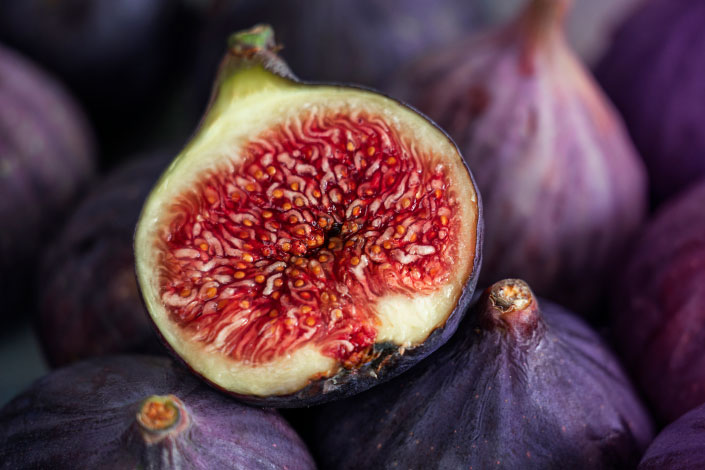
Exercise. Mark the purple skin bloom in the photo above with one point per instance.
(659, 307)
(96, 414)
(562, 187)
(654, 74)
(681, 446)
(518, 386)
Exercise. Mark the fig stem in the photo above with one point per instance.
(511, 294)
(510, 305)
(541, 21)
(160, 416)
(254, 39)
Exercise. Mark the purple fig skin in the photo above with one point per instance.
(85, 416)
(46, 158)
(563, 188)
(661, 47)
(659, 307)
(680, 446)
(517, 387)
(89, 293)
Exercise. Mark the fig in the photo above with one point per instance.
(522, 384)
(680, 446)
(140, 412)
(659, 307)
(311, 240)
(660, 47)
(562, 186)
(88, 290)
(46, 158)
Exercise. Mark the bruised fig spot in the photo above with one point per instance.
(292, 246)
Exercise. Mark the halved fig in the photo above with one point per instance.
(311, 240)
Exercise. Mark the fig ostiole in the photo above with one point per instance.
(88, 291)
(522, 384)
(140, 412)
(658, 312)
(563, 189)
(311, 240)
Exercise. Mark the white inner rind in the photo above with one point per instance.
(406, 321)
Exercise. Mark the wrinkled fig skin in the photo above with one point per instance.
(88, 291)
(661, 47)
(84, 416)
(562, 186)
(46, 157)
(536, 391)
(659, 307)
(681, 446)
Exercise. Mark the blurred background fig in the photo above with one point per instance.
(88, 286)
(140, 412)
(680, 446)
(562, 186)
(119, 57)
(523, 384)
(46, 159)
(659, 307)
(654, 72)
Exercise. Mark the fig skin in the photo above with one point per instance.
(391, 359)
(563, 188)
(85, 416)
(661, 47)
(46, 159)
(90, 304)
(516, 387)
(680, 446)
(659, 307)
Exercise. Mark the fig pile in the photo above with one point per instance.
(315, 247)
(563, 188)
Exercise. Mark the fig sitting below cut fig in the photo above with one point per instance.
(128, 412)
(522, 384)
(311, 240)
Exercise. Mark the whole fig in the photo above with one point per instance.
(654, 73)
(562, 186)
(523, 384)
(659, 307)
(89, 302)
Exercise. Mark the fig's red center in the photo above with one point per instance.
(295, 244)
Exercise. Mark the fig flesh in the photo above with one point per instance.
(90, 304)
(140, 412)
(659, 307)
(562, 186)
(680, 446)
(46, 158)
(522, 384)
(311, 240)
(661, 47)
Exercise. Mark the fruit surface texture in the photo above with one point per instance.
(680, 446)
(307, 232)
(522, 384)
(120, 412)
